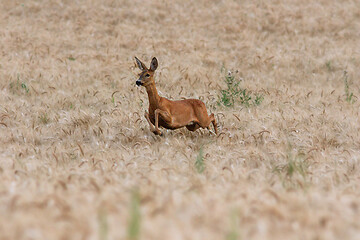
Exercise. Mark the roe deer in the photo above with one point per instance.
(189, 113)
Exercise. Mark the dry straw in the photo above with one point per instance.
(74, 142)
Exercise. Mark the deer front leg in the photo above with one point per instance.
(165, 116)
(146, 115)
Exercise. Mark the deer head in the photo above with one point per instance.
(146, 76)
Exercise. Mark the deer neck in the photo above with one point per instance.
(153, 95)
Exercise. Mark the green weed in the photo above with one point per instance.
(294, 173)
(103, 225)
(349, 95)
(113, 98)
(258, 99)
(329, 66)
(44, 118)
(135, 217)
(17, 85)
(234, 221)
(25, 87)
(235, 94)
(199, 163)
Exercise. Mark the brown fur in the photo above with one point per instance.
(189, 113)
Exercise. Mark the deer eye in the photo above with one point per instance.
(147, 75)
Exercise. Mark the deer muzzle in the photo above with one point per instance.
(139, 83)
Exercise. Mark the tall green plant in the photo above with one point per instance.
(199, 163)
(135, 217)
(234, 94)
(349, 95)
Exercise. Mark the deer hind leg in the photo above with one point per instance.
(214, 123)
(205, 123)
(165, 116)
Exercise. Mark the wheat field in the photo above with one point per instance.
(78, 160)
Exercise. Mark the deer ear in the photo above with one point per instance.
(153, 64)
(141, 66)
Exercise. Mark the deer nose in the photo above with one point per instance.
(138, 82)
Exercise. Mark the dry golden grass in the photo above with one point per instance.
(77, 154)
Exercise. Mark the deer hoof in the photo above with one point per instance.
(158, 132)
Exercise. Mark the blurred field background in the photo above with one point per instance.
(78, 161)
